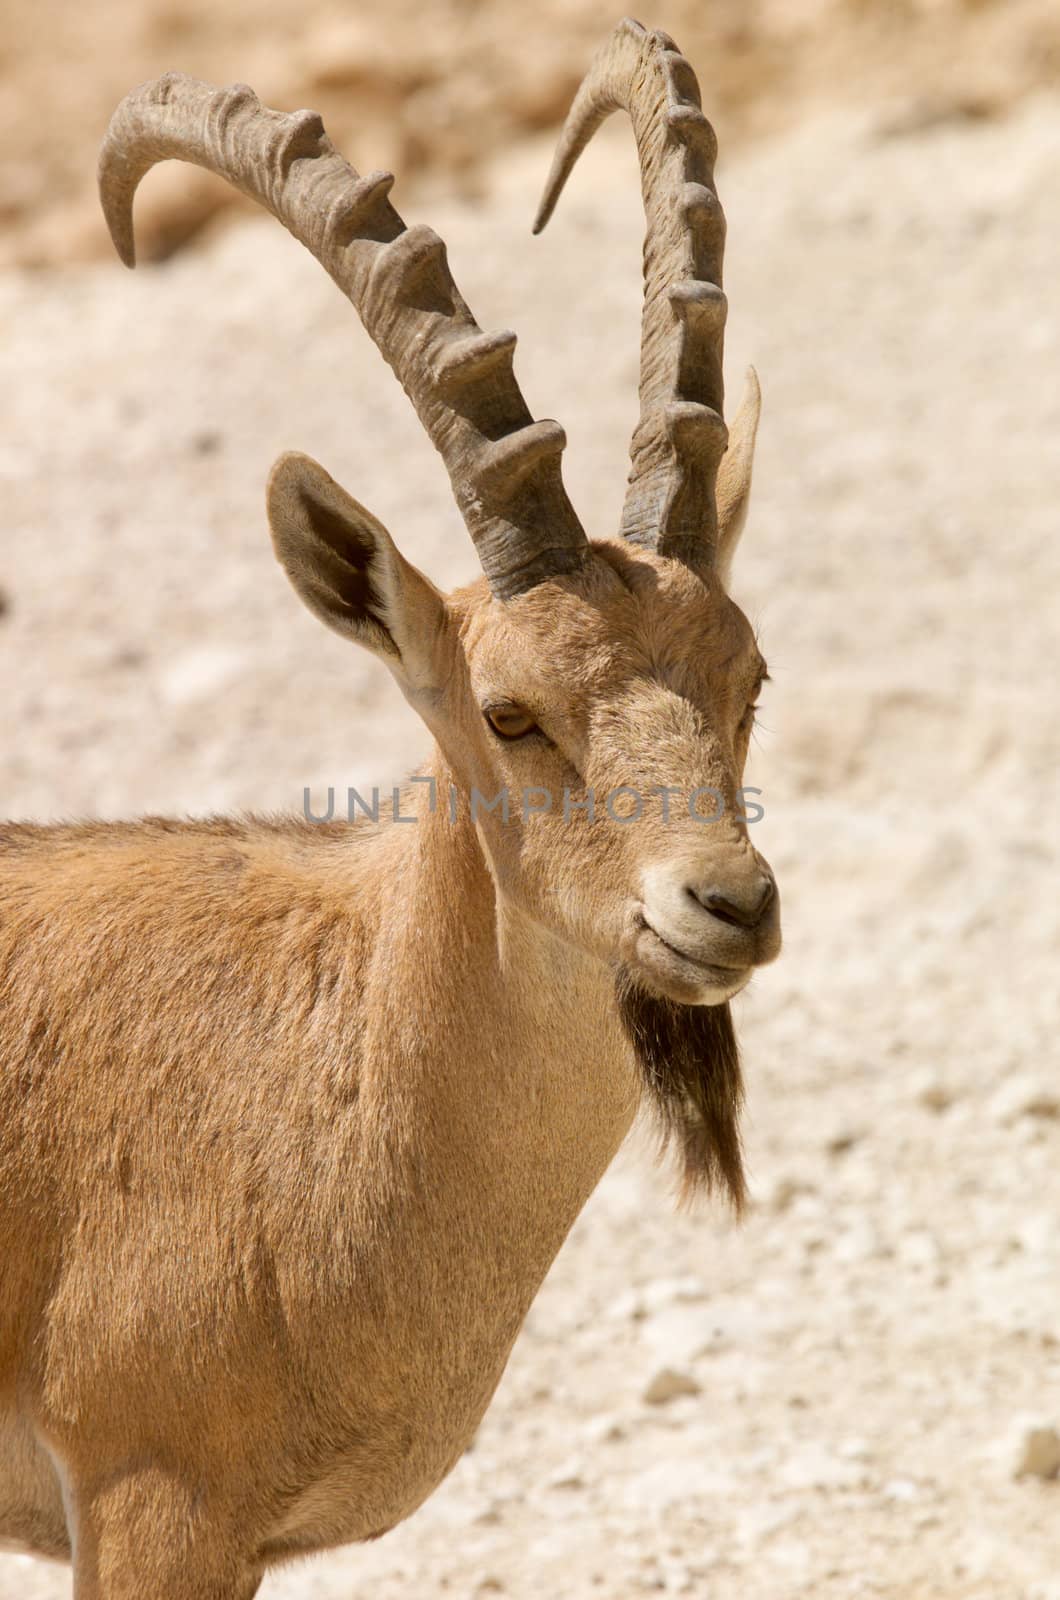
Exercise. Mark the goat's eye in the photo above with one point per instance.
(510, 722)
(747, 720)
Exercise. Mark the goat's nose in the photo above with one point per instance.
(744, 907)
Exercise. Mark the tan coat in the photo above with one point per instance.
(294, 1117)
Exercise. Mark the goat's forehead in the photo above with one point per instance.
(628, 613)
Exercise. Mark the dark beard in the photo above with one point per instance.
(690, 1063)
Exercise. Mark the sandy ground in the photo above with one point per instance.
(440, 86)
(867, 1349)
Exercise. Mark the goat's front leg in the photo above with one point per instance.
(145, 1534)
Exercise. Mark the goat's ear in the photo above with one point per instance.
(734, 475)
(347, 569)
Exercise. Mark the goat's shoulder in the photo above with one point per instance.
(173, 898)
(171, 851)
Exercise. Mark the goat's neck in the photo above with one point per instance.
(504, 1078)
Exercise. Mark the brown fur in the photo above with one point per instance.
(294, 1118)
(691, 1066)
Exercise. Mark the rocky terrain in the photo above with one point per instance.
(443, 88)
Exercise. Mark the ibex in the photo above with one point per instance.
(294, 1118)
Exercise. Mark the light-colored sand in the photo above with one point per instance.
(868, 1342)
(441, 86)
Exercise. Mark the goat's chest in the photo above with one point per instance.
(392, 1463)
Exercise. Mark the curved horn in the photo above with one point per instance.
(504, 466)
(680, 439)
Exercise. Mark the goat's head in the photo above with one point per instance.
(603, 690)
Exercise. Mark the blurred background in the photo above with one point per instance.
(443, 87)
(857, 1392)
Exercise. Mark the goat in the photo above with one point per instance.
(295, 1117)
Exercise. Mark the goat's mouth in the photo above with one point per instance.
(677, 974)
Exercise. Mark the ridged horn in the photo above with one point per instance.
(680, 439)
(504, 466)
